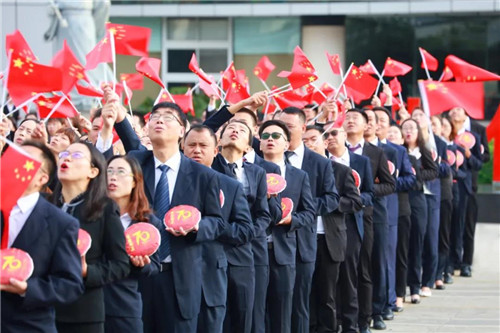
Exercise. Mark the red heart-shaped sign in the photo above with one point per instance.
(450, 155)
(183, 216)
(392, 168)
(275, 183)
(286, 207)
(16, 264)
(460, 158)
(142, 239)
(84, 242)
(466, 139)
(357, 178)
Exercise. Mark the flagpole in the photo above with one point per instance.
(343, 81)
(22, 105)
(380, 81)
(5, 80)
(442, 75)
(319, 90)
(276, 91)
(279, 88)
(425, 64)
(342, 75)
(54, 109)
(265, 84)
(128, 97)
(113, 56)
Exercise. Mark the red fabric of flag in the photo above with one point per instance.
(135, 81)
(184, 101)
(46, 104)
(150, 68)
(100, 53)
(494, 126)
(431, 62)
(447, 74)
(334, 61)
(71, 69)
(208, 89)
(195, 68)
(89, 91)
(16, 44)
(17, 171)
(465, 72)
(228, 75)
(368, 68)
(395, 86)
(236, 92)
(395, 68)
(290, 98)
(302, 72)
(317, 97)
(360, 85)
(26, 78)
(130, 39)
(442, 96)
(263, 68)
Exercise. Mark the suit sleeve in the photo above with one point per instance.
(212, 225)
(386, 183)
(406, 179)
(350, 200)
(328, 199)
(115, 265)
(261, 207)
(366, 187)
(63, 282)
(240, 230)
(305, 213)
(474, 162)
(481, 131)
(429, 169)
(218, 119)
(127, 135)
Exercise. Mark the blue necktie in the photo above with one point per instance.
(232, 169)
(161, 206)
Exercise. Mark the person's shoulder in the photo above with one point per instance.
(313, 157)
(341, 167)
(476, 126)
(57, 216)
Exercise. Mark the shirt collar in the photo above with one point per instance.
(360, 143)
(239, 163)
(126, 217)
(384, 141)
(173, 163)
(28, 202)
(300, 149)
(250, 156)
(467, 124)
(374, 141)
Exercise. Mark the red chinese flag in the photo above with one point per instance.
(71, 69)
(243, 78)
(430, 61)
(185, 101)
(193, 66)
(302, 72)
(16, 44)
(130, 39)
(465, 72)
(17, 170)
(89, 91)
(447, 74)
(46, 104)
(208, 89)
(100, 53)
(395, 68)
(395, 86)
(236, 92)
(360, 85)
(494, 126)
(413, 103)
(319, 97)
(227, 76)
(135, 81)
(334, 61)
(150, 68)
(442, 96)
(368, 68)
(290, 98)
(263, 68)
(26, 78)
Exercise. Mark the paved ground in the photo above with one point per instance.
(469, 304)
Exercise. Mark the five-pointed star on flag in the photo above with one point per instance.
(29, 165)
(18, 63)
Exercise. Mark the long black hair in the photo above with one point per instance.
(420, 137)
(95, 197)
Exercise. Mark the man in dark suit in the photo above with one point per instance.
(235, 139)
(200, 145)
(49, 236)
(355, 124)
(171, 179)
(281, 239)
(405, 179)
(326, 200)
(332, 244)
(348, 271)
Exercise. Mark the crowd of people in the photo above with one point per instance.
(383, 214)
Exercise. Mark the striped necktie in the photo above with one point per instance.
(161, 206)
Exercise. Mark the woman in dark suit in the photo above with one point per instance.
(82, 194)
(426, 170)
(122, 298)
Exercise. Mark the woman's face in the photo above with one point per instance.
(59, 142)
(120, 179)
(436, 126)
(446, 129)
(75, 164)
(394, 135)
(421, 118)
(24, 132)
(410, 132)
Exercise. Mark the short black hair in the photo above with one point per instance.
(28, 119)
(296, 111)
(358, 111)
(251, 114)
(250, 136)
(314, 127)
(97, 114)
(374, 113)
(200, 128)
(381, 108)
(140, 115)
(278, 123)
(173, 106)
(48, 158)
(309, 106)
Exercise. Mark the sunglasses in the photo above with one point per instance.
(274, 135)
(332, 133)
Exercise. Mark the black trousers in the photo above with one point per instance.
(323, 317)
(404, 228)
(458, 227)
(418, 226)
(470, 230)
(79, 328)
(379, 267)
(301, 294)
(365, 286)
(444, 237)
(240, 299)
(211, 318)
(123, 324)
(347, 292)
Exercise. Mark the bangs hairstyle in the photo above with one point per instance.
(250, 137)
(295, 111)
(96, 196)
(49, 160)
(198, 128)
(168, 105)
(138, 208)
(278, 123)
(72, 136)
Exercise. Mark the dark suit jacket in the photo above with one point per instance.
(303, 216)
(480, 130)
(471, 165)
(349, 203)
(49, 237)
(256, 195)
(326, 200)
(405, 179)
(122, 298)
(198, 186)
(362, 165)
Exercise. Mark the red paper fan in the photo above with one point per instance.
(142, 239)
(183, 216)
(275, 183)
(84, 242)
(16, 264)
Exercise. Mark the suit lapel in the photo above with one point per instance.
(249, 170)
(33, 228)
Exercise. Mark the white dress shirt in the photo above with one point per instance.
(20, 214)
(345, 159)
(240, 173)
(102, 145)
(297, 157)
(126, 220)
(250, 156)
(358, 151)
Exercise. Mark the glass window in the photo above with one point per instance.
(178, 60)
(213, 60)
(266, 35)
(182, 29)
(213, 29)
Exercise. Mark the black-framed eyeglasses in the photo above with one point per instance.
(334, 132)
(274, 135)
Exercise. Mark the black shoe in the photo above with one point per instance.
(466, 271)
(387, 314)
(397, 309)
(448, 279)
(415, 299)
(440, 287)
(365, 330)
(378, 323)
